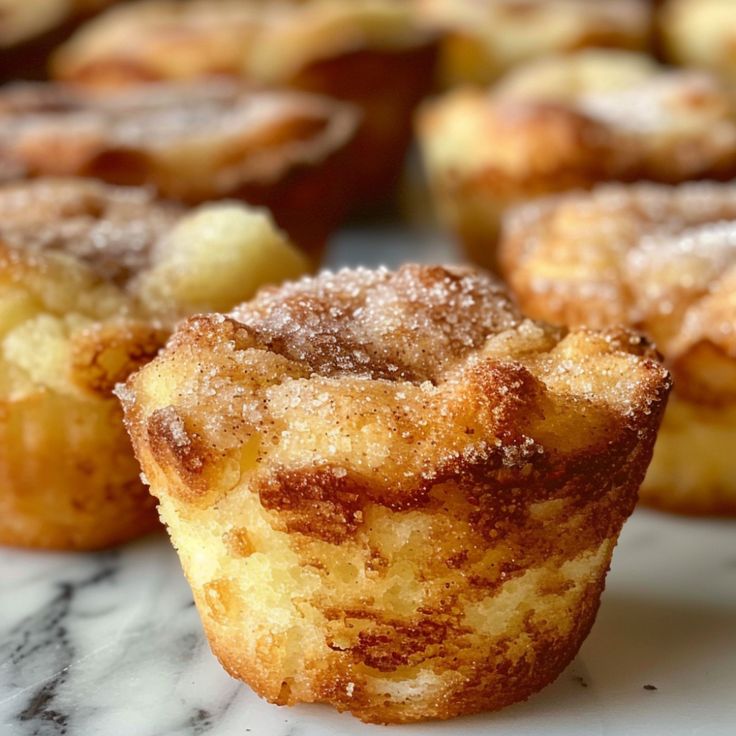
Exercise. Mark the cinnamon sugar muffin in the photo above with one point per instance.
(483, 40)
(663, 260)
(92, 277)
(192, 142)
(700, 33)
(389, 491)
(369, 52)
(570, 122)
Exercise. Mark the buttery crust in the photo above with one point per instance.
(192, 142)
(92, 277)
(661, 260)
(341, 50)
(700, 33)
(570, 122)
(392, 493)
(483, 40)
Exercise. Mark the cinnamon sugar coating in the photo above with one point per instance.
(389, 491)
(661, 260)
(571, 122)
(191, 142)
(92, 278)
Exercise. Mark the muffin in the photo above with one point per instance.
(30, 30)
(483, 40)
(700, 34)
(192, 142)
(389, 491)
(663, 260)
(369, 52)
(92, 278)
(571, 122)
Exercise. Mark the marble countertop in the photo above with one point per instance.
(110, 644)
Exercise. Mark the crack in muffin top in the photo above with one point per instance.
(413, 324)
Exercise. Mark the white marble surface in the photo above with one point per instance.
(110, 644)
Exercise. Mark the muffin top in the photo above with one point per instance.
(92, 277)
(413, 325)
(190, 140)
(266, 42)
(660, 259)
(110, 229)
(385, 381)
(615, 114)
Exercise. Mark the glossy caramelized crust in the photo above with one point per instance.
(571, 122)
(662, 260)
(192, 142)
(483, 40)
(91, 279)
(389, 491)
(700, 33)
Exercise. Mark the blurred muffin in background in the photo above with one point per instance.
(192, 141)
(662, 260)
(700, 33)
(567, 122)
(369, 52)
(31, 29)
(390, 491)
(92, 278)
(481, 40)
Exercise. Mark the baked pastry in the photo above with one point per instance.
(662, 260)
(700, 33)
(483, 40)
(192, 142)
(30, 30)
(389, 491)
(570, 122)
(92, 277)
(368, 52)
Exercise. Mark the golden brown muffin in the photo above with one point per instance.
(92, 277)
(662, 260)
(368, 52)
(483, 40)
(30, 29)
(389, 491)
(570, 122)
(700, 33)
(193, 142)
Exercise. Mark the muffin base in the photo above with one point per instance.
(693, 469)
(68, 478)
(509, 633)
